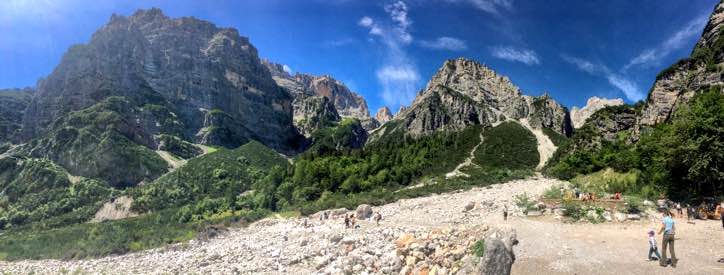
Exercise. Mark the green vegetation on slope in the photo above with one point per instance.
(555, 137)
(38, 192)
(214, 180)
(683, 158)
(102, 142)
(508, 145)
(178, 147)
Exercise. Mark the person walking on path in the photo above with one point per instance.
(678, 209)
(652, 247)
(668, 229)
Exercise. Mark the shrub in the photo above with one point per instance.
(634, 205)
(479, 248)
(525, 203)
(554, 192)
(573, 210)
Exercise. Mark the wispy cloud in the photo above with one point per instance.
(445, 43)
(620, 82)
(525, 56)
(398, 75)
(677, 40)
(338, 42)
(489, 6)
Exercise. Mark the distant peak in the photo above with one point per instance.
(149, 14)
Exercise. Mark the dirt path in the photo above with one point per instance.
(468, 161)
(283, 246)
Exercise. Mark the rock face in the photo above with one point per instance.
(13, 103)
(301, 86)
(383, 115)
(210, 78)
(464, 92)
(679, 83)
(499, 256)
(579, 116)
(313, 113)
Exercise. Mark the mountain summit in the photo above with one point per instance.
(464, 93)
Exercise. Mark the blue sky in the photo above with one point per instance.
(387, 50)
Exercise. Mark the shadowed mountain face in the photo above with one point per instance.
(13, 103)
(209, 78)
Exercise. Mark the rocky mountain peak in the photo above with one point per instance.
(464, 92)
(191, 66)
(473, 79)
(712, 31)
(383, 115)
(301, 86)
(579, 115)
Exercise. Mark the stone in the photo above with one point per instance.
(634, 217)
(607, 216)
(499, 256)
(469, 206)
(363, 212)
(620, 217)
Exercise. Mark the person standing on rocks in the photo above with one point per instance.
(378, 217)
(668, 228)
(346, 221)
(505, 212)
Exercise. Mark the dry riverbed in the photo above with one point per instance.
(284, 246)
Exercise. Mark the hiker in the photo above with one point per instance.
(578, 193)
(378, 218)
(505, 212)
(678, 209)
(346, 221)
(721, 213)
(652, 247)
(668, 229)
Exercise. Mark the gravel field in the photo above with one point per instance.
(285, 246)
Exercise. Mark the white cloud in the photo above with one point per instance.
(287, 69)
(366, 21)
(628, 87)
(489, 6)
(399, 82)
(524, 56)
(677, 40)
(398, 75)
(584, 65)
(338, 43)
(445, 43)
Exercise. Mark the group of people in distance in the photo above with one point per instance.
(350, 221)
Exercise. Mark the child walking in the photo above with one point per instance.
(652, 247)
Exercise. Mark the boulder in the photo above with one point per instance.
(620, 217)
(634, 217)
(364, 211)
(469, 206)
(607, 216)
(499, 257)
